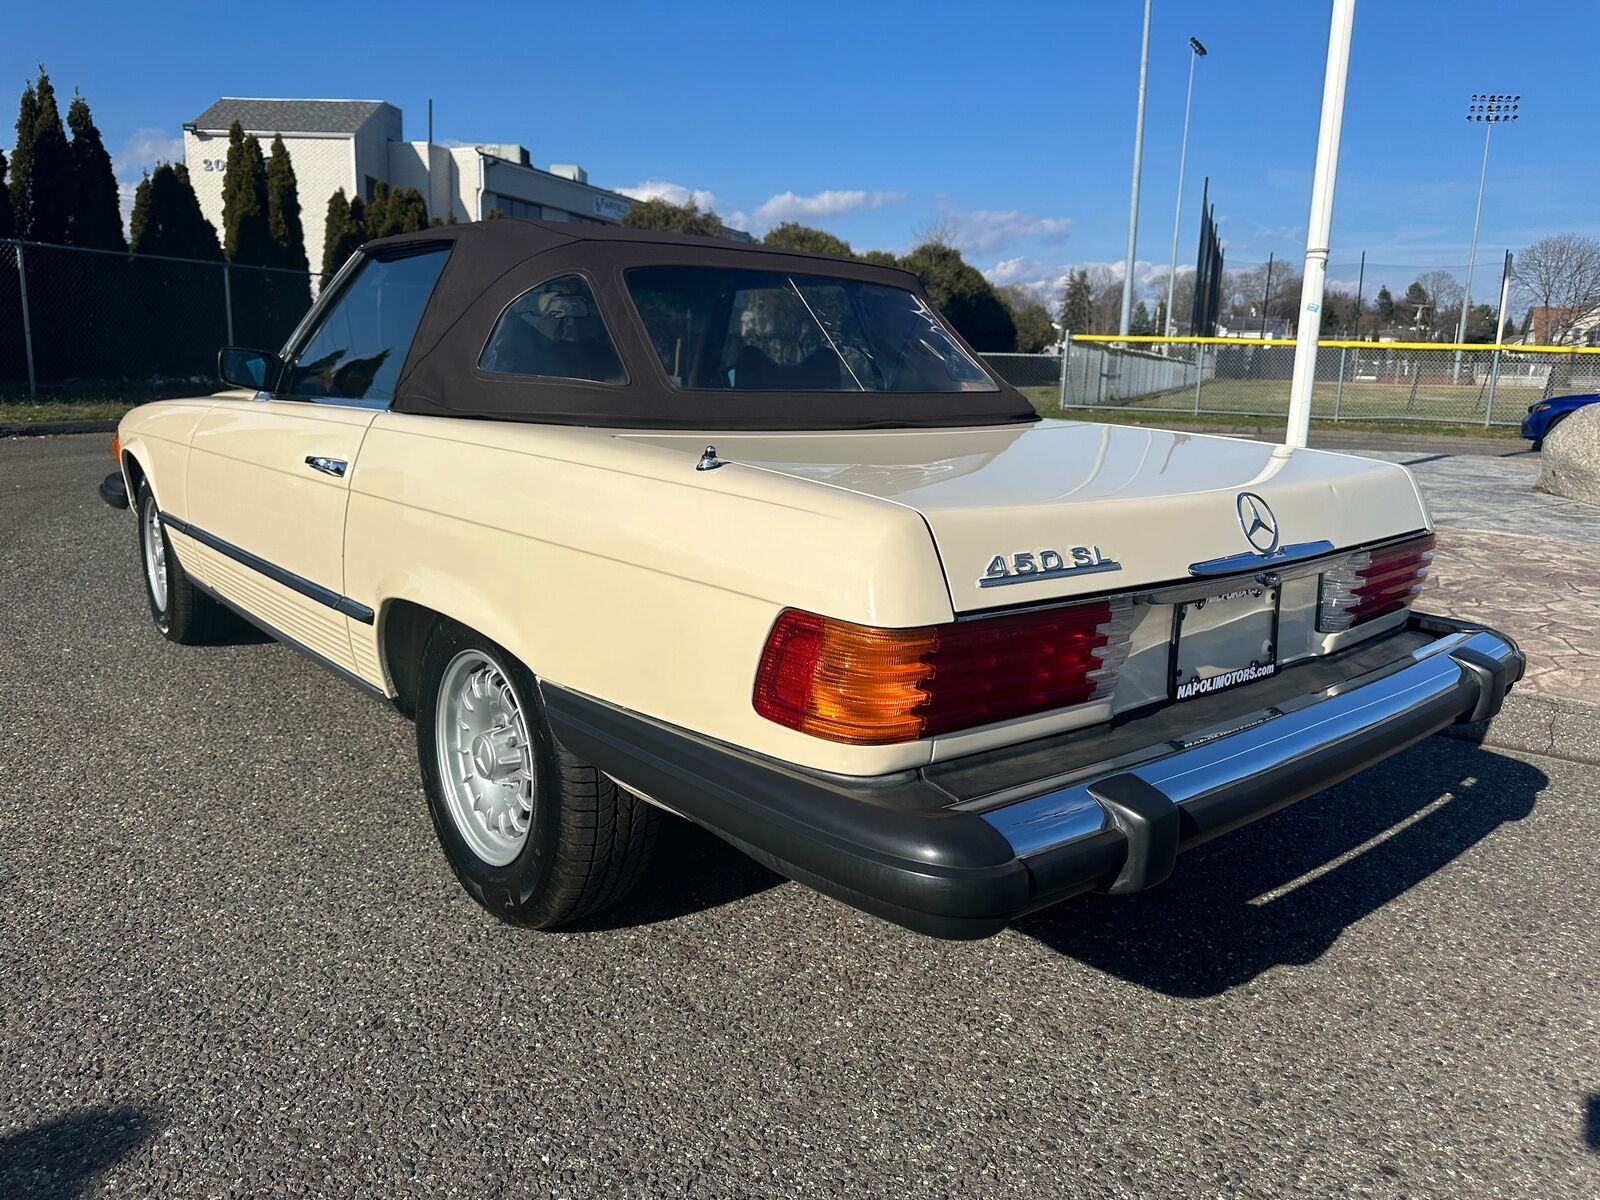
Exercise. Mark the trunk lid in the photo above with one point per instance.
(1060, 509)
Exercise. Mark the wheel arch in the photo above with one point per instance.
(133, 472)
(403, 629)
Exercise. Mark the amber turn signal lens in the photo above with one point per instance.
(866, 686)
(116, 446)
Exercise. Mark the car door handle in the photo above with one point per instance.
(328, 466)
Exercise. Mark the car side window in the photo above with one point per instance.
(358, 350)
(554, 330)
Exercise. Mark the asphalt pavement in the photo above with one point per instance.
(233, 962)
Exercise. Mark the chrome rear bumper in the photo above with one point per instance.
(906, 849)
(1225, 777)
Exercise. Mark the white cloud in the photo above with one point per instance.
(1049, 280)
(984, 232)
(143, 150)
(673, 193)
(831, 202)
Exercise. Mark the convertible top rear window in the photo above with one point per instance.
(716, 328)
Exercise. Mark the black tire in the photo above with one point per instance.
(588, 840)
(189, 616)
(1549, 429)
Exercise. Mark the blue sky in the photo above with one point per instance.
(1011, 124)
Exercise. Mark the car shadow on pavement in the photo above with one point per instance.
(67, 1155)
(1281, 891)
(692, 871)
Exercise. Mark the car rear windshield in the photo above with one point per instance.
(776, 331)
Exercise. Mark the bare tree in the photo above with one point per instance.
(1444, 301)
(938, 230)
(1561, 274)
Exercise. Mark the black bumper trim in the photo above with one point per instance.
(114, 490)
(963, 874)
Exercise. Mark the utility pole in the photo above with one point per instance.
(1138, 162)
(1361, 283)
(1196, 53)
(1266, 296)
(1320, 223)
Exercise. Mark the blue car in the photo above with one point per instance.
(1547, 414)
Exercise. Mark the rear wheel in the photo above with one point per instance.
(181, 611)
(535, 835)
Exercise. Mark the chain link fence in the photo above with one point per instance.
(78, 323)
(1365, 381)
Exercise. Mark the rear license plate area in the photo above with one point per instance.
(1224, 641)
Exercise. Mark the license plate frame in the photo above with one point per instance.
(1224, 640)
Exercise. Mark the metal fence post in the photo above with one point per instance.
(1494, 377)
(1199, 371)
(27, 325)
(1338, 388)
(227, 299)
(1066, 363)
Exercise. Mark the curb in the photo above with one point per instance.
(49, 428)
(1529, 722)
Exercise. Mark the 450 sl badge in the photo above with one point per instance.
(1046, 564)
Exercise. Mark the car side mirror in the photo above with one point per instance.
(254, 369)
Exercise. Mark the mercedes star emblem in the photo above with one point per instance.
(1256, 519)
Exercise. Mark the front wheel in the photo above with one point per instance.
(181, 611)
(535, 835)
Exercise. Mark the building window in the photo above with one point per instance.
(510, 206)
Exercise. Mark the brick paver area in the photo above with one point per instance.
(1517, 560)
(1545, 594)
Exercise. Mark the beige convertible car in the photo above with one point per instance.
(633, 522)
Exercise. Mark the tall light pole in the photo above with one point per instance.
(1321, 222)
(1138, 161)
(1197, 52)
(1491, 111)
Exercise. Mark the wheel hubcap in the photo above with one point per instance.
(486, 765)
(155, 556)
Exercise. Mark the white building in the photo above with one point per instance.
(355, 144)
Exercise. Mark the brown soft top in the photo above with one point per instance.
(491, 263)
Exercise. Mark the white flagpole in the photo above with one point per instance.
(1321, 220)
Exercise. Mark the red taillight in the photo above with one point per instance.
(866, 686)
(1373, 583)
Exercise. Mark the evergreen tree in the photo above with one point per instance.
(344, 232)
(1077, 304)
(380, 220)
(660, 214)
(167, 219)
(1032, 319)
(187, 321)
(47, 189)
(334, 228)
(246, 237)
(1385, 306)
(141, 208)
(791, 235)
(408, 210)
(880, 258)
(27, 114)
(96, 216)
(1140, 324)
(283, 210)
(965, 298)
(8, 225)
